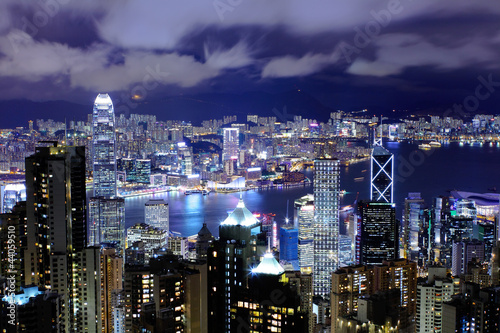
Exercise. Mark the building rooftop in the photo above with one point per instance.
(269, 265)
(240, 216)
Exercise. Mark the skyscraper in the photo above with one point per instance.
(103, 147)
(156, 213)
(229, 262)
(382, 166)
(326, 223)
(303, 220)
(107, 223)
(231, 144)
(56, 221)
(378, 233)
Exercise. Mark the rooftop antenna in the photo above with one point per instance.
(286, 218)
(378, 141)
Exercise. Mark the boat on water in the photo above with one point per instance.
(359, 179)
(188, 192)
(205, 192)
(424, 146)
(434, 144)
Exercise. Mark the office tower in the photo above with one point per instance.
(103, 147)
(185, 156)
(345, 251)
(152, 238)
(430, 298)
(142, 171)
(382, 170)
(127, 165)
(289, 242)
(203, 241)
(36, 310)
(326, 223)
(231, 144)
(156, 214)
(412, 220)
(13, 244)
(56, 224)
(495, 264)
(107, 223)
(229, 262)
(10, 194)
(463, 253)
(378, 233)
(303, 219)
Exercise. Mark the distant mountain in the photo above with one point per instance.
(194, 108)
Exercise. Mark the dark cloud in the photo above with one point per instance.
(153, 48)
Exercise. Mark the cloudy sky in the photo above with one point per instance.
(347, 54)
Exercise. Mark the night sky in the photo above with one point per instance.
(381, 55)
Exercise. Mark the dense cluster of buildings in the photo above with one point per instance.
(68, 264)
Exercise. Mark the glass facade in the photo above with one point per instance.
(107, 223)
(103, 147)
(304, 221)
(156, 212)
(231, 145)
(382, 167)
(378, 233)
(326, 223)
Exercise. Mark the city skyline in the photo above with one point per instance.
(234, 166)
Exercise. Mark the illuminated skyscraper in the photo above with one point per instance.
(378, 233)
(231, 144)
(56, 221)
(229, 262)
(382, 166)
(156, 214)
(326, 223)
(107, 223)
(303, 220)
(103, 147)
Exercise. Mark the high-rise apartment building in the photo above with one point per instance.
(326, 223)
(377, 233)
(56, 221)
(103, 147)
(430, 298)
